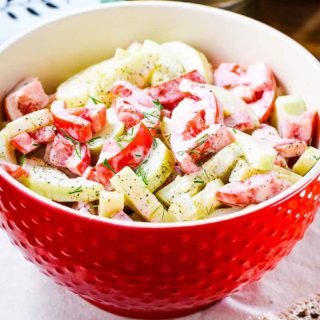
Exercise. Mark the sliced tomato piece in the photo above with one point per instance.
(205, 99)
(77, 128)
(189, 152)
(84, 207)
(14, 170)
(28, 96)
(59, 151)
(227, 75)
(24, 143)
(133, 105)
(121, 215)
(256, 86)
(44, 134)
(90, 174)
(80, 159)
(290, 148)
(96, 114)
(168, 93)
(287, 148)
(115, 155)
(254, 190)
(240, 120)
(299, 127)
(195, 126)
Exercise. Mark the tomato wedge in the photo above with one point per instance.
(117, 154)
(59, 151)
(80, 159)
(168, 93)
(256, 85)
(254, 190)
(14, 170)
(133, 105)
(240, 120)
(189, 152)
(299, 127)
(28, 96)
(204, 99)
(286, 148)
(44, 134)
(77, 128)
(24, 143)
(96, 114)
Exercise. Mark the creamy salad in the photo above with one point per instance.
(158, 134)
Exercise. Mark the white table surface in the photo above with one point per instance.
(26, 294)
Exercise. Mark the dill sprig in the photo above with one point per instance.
(76, 144)
(142, 173)
(158, 104)
(92, 141)
(108, 165)
(95, 100)
(23, 157)
(200, 141)
(78, 190)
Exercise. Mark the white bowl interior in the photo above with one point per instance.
(57, 50)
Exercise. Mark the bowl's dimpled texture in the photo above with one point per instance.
(152, 273)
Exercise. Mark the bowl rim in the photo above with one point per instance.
(199, 8)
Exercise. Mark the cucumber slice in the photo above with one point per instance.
(287, 105)
(134, 66)
(157, 167)
(113, 128)
(287, 175)
(188, 208)
(137, 195)
(6, 150)
(184, 209)
(231, 103)
(243, 171)
(176, 58)
(29, 122)
(55, 185)
(110, 203)
(166, 130)
(219, 166)
(307, 161)
(205, 200)
(258, 155)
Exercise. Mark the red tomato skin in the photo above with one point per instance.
(24, 143)
(256, 85)
(254, 190)
(133, 105)
(14, 170)
(44, 134)
(299, 127)
(59, 151)
(141, 144)
(240, 120)
(168, 93)
(79, 161)
(95, 114)
(90, 174)
(28, 96)
(77, 128)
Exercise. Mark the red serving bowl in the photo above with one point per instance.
(155, 270)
